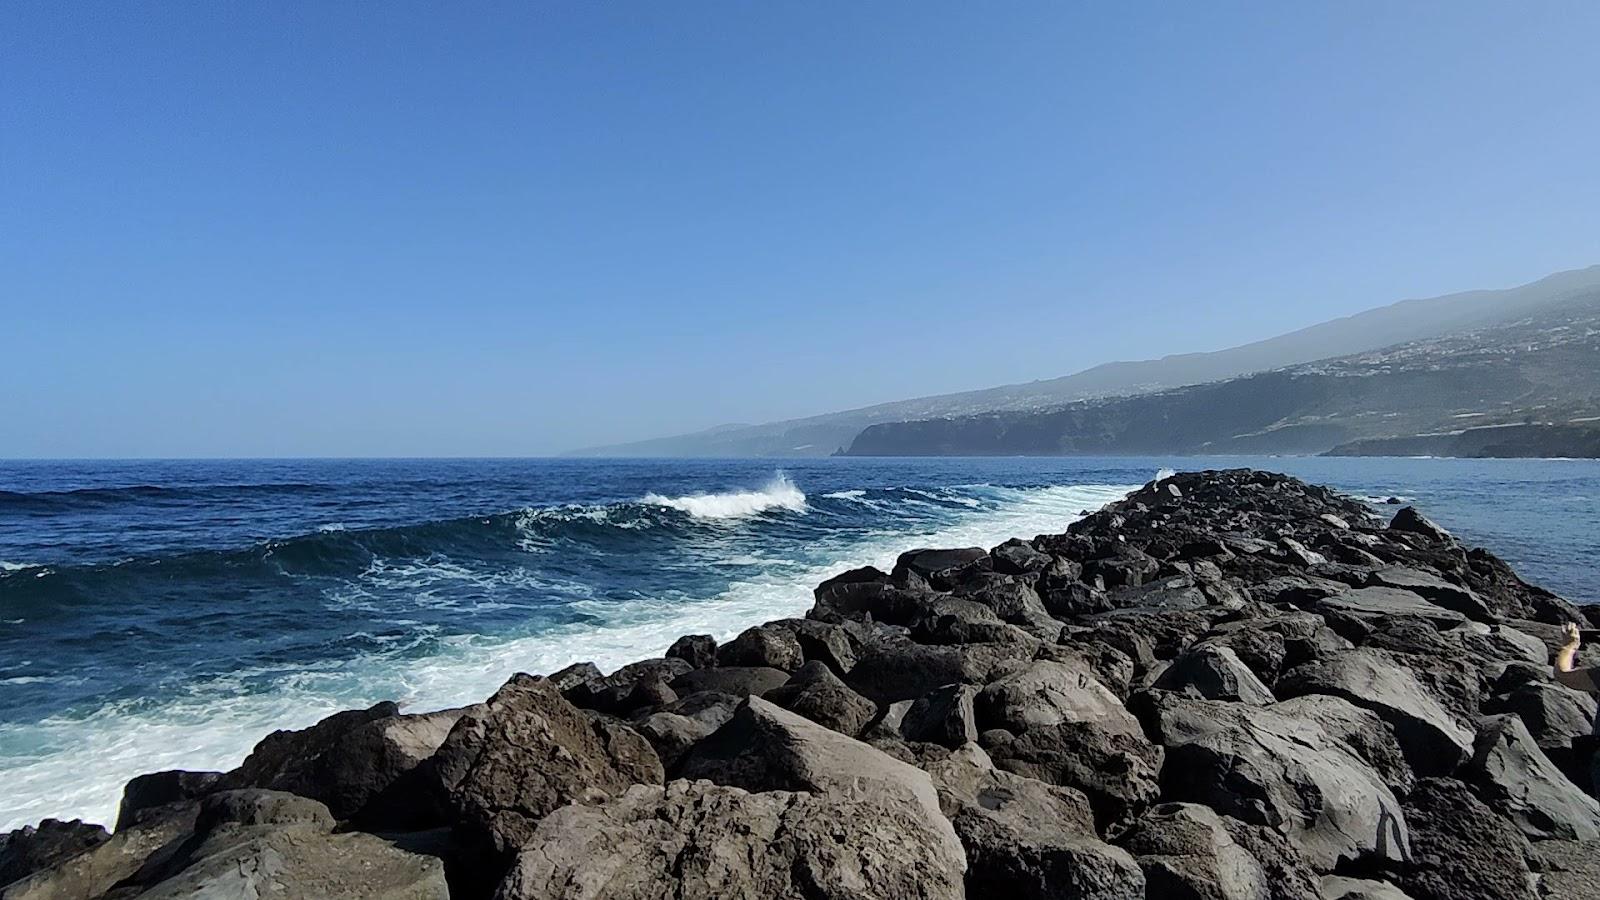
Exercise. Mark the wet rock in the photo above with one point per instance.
(1522, 784)
(818, 694)
(1214, 673)
(698, 839)
(526, 752)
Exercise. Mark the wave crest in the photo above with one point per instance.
(780, 493)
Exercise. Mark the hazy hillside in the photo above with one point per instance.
(1408, 320)
(1542, 366)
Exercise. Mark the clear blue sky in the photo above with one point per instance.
(462, 229)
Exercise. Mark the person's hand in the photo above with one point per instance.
(1572, 636)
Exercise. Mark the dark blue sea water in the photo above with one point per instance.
(159, 614)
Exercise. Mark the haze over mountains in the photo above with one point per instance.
(1009, 407)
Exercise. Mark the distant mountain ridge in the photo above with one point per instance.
(1529, 386)
(1397, 323)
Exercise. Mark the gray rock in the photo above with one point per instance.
(698, 650)
(1213, 672)
(95, 871)
(701, 841)
(33, 849)
(767, 646)
(945, 717)
(1431, 738)
(158, 789)
(1514, 776)
(1567, 870)
(253, 843)
(893, 669)
(1027, 839)
(673, 730)
(1374, 602)
(1268, 768)
(766, 748)
(1434, 589)
(740, 681)
(1018, 557)
(526, 752)
(1461, 850)
(1049, 692)
(818, 694)
(1413, 522)
(1188, 852)
(934, 565)
(1338, 887)
(1118, 772)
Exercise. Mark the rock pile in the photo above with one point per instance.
(1230, 685)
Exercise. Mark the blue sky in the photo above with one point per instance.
(467, 229)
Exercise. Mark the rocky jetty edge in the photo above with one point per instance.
(1230, 684)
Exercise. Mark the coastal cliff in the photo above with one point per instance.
(1228, 685)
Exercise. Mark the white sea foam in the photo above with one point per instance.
(70, 766)
(14, 566)
(780, 493)
(846, 495)
(1164, 474)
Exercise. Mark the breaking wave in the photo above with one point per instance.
(780, 493)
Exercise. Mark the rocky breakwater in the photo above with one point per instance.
(1230, 685)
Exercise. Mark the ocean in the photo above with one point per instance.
(168, 614)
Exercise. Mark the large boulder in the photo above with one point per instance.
(1189, 852)
(1117, 771)
(1434, 589)
(32, 849)
(152, 792)
(676, 728)
(741, 681)
(695, 840)
(527, 752)
(1049, 692)
(1567, 870)
(1461, 850)
(764, 645)
(935, 566)
(1214, 672)
(1026, 839)
(1370, 603)
(623, 691)
(1266, 767)
(767, 748)
(893, 668)
(818, 694)
(1340, 887)
(1514, 776)
(264, 843)
(1434, 742)
(945, 717)
(93, 872)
